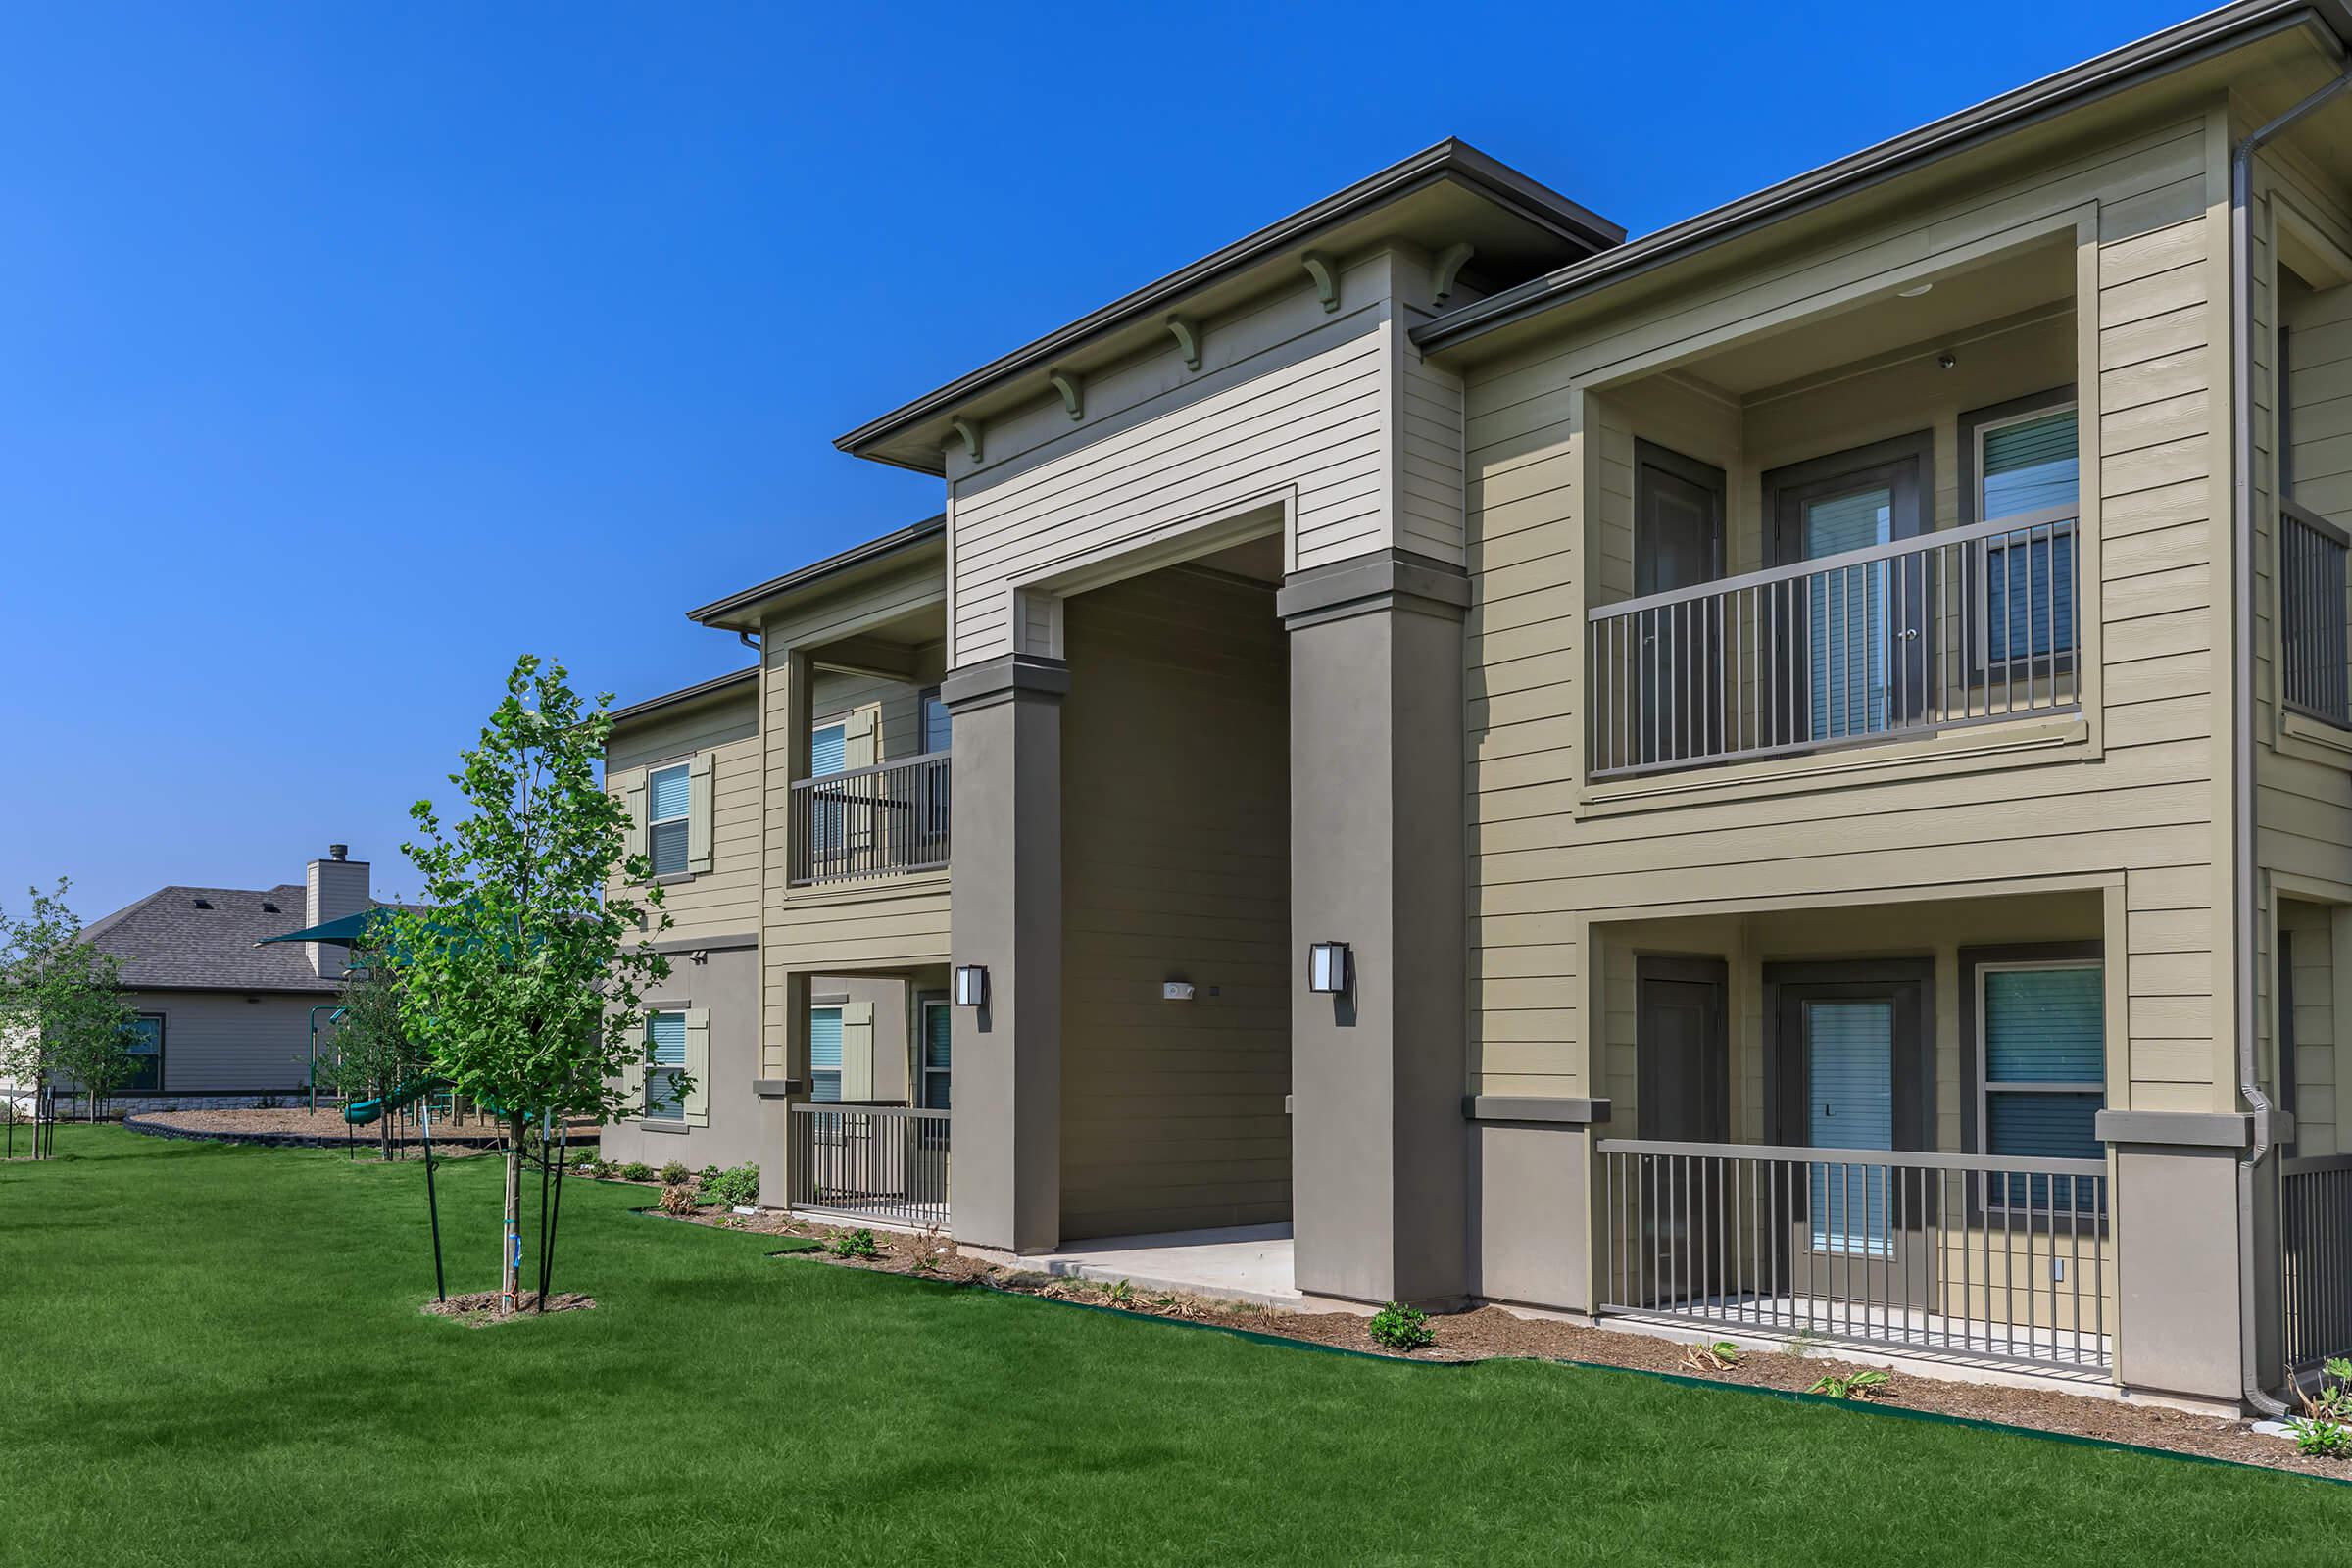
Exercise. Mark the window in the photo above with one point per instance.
(669, 797)
(825, 1053)
(2027, 458)
(145, 1044)
(938, 731)
(938, 1052)
(2043, 1065)
(665, 1052)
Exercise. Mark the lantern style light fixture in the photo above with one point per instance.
(971, 984)
(1327, 967)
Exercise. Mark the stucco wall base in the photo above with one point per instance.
(2175, 1211)
(1530, 1213)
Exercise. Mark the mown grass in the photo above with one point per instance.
(214, 1354)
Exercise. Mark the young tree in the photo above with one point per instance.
(522, 980)
(61, 1001)
(374, 1052)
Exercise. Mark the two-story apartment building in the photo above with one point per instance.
(1792, 775)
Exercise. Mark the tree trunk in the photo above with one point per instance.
(510, 1269)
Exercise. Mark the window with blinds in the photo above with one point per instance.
(2029, 467)
(825, 1053)
(666, 1052)
(937, 728)
(938, 1052)
(670, 800)
(2042, 1060)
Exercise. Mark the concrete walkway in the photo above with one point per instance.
(1238, 1264)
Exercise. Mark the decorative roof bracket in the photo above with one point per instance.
(1187, 333)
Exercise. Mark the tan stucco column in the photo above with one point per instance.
(2176, 1222)
(1005, 1189)
(1379, 1142)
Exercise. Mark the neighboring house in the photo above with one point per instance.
(220, 1020)
(1825, 735)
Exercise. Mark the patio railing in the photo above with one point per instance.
(2311, 615)
(2315, 1233)
(872, 821)
(874, 1162)
(1962, 1256)
(1964, 626)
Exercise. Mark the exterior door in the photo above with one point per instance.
(1683, 1052)
(1682, 1094)
(1678, 543)
(1860, 631)
(1851, 1069)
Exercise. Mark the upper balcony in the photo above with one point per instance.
(1861, 529)
(855, 825)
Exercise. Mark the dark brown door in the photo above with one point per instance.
(1683, 1049)
(1683, 1054)
(1678, 543)
(1851, 1068)
(1856, 637)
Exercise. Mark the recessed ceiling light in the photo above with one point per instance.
(1914, 291)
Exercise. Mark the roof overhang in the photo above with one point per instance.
(1446, 194)
(716, 686)
(744, 611)
(2175, 48)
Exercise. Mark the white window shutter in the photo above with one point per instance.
(698, 1066)
(632, 792)
(700, 794)
(857, 1050)
(860, 738)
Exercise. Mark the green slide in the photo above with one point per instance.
(364, 1113)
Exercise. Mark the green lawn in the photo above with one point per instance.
(213, 1355)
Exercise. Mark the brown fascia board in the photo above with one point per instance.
(1452, 158)
(728, 614)
(2213, 32)
(685, 694)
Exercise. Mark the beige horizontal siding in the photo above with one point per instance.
(1549, 477)
(1330, 412)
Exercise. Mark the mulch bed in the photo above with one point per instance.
(1491, 1332)
(297, 1127)
(479, 1309)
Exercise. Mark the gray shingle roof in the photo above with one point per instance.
(168, 942)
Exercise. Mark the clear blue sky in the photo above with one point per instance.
(347, 351)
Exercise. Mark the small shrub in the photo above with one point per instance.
(675, 1174)
(1401, 1328)
(677, 1198)
(1720, 1356)
(581, 1159)
(1120, 1294)
(854, 1244)
(927, 1250)
(2321, 1438)
(731, 1187)
(1853, 1385)
(636, 1171)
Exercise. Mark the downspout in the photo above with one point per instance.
(749, 639)
(2247, 912)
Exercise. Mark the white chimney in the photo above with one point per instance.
(334, 887)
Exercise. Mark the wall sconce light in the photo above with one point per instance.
(1327, 967)
(971, 984)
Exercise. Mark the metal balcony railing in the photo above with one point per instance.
(1971, 1257)
(2312, 602)
(874, 1162)
(1965, 626)
(872, 821)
